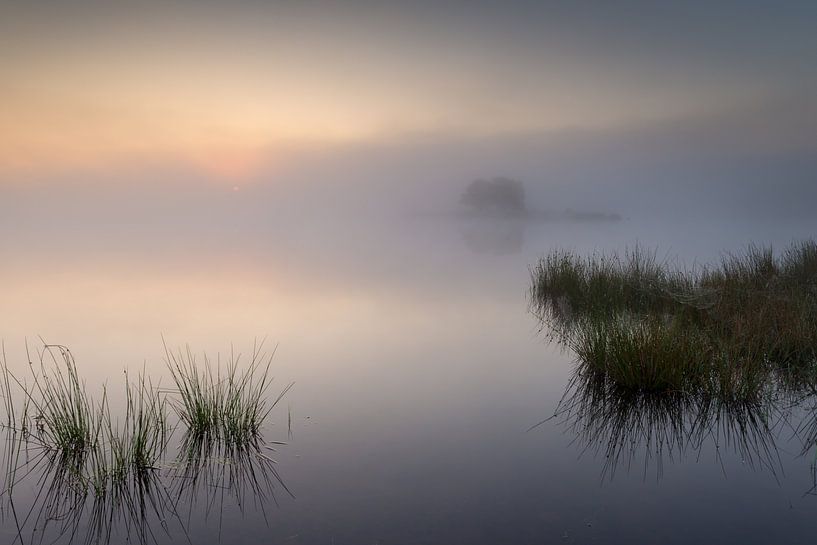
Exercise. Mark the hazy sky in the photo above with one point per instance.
(231, 88)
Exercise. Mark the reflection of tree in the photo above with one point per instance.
(634, 428)
(497, 237)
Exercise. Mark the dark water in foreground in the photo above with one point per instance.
(418, 372)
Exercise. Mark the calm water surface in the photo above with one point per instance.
(418, 372)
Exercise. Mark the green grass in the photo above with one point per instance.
(53, 411)
(564, 283)
(136, 444)
(107, 470)
(634, 353)
(57, 412)
(52, 408)
(227, 402)
(730, 330)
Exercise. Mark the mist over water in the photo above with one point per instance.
(403, 321)
(366, 186)
(400, 310)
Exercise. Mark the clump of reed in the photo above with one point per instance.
(110, 468)
(635, 352)
(137, 443)
(565, 283)
(730, 330)
(65, 418)
(51, 410)
(224, 401)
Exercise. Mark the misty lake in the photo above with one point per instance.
(367, 272)
(418, 371)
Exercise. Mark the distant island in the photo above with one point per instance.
(505, 198)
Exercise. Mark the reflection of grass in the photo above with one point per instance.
(634, 427)
(59, 416)
(139, 444)
(105, 472)
(226, 404)
(212, 471)
(727, 331)
(53, 409)
(137, 505)
(88, 465)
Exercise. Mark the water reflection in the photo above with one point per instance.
(388, 454)
(643, 431)
(211, 474)
(503, 233)
(669, 364)
(497, 236)
(47, 498)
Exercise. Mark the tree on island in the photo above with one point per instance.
(496, 196)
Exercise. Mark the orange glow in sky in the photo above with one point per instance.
(220, 91)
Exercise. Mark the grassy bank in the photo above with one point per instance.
(732, 330)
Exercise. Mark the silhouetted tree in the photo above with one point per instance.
(498, 195)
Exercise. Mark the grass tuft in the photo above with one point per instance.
(55, 413)
(225, 402)
(729, 331)
(87, 461)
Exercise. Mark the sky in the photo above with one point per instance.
(227, 86)
(561, 94)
